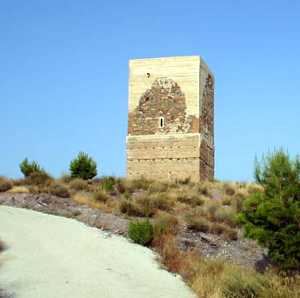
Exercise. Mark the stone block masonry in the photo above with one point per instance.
(170, 119)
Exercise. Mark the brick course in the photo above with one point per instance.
(170, 136)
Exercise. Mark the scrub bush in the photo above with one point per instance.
(5, 184)
(39, 179)
(100, 196)
(79, 184)
(141, 232)
(108, 183)
(59, 190)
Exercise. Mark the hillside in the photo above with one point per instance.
(194, 223)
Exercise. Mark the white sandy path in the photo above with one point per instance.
(55, 257)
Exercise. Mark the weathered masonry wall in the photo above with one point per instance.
(164, 157)
(170, 119)
(182, 70)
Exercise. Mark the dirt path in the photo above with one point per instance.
(51, 256)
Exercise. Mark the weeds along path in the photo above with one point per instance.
(51, 256)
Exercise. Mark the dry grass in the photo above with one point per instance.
(225, 215)
(158, 187)
(136, 184)
(19, 189)
(40, 179)
(101, 196)
(130, 208)
(197, 223)
(146, 204)
(190, 199)
(165, 223)
(226, 201)
(193, 203)
(252, 187)
(218, 279)
(78, 184)
(204, 188)
(88, 199)
(229, 188)
(5, 184)
(59, 190)
(170, 255)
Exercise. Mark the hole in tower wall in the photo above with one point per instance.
(161, 122)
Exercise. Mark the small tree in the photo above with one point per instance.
(272, 217)
(28, 168)
(83, 167)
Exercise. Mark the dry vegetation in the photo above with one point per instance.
(206, 207)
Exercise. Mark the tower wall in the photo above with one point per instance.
(170, 120)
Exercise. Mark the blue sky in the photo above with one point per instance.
(64, 76)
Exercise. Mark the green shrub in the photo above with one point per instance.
(59, 190)
(272, 216)
(100, 196)
(108, 183)
(141, 232)
(28, 168)
(79, 184)
(83, 167)
(5, 184)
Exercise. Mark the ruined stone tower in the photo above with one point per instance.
(171, 119)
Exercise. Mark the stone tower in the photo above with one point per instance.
(171, 119)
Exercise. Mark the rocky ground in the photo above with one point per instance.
(243, 252)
